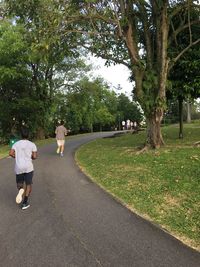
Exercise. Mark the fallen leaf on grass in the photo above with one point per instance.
(195, 157)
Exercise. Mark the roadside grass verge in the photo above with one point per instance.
(4, 149)
(161, 185)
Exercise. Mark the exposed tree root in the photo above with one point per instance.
(197, 144)
(143, 149)
(146, 147)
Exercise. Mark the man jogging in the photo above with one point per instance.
(60, 132)
(24, 151)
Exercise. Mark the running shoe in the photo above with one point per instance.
(25, 206)
(61, 154)
(19, 196)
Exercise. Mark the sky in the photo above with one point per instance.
(115, 75)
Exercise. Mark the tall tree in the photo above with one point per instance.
(51, 55)
(15, 78)
(88, 105)
(185, 76)
(137, 34)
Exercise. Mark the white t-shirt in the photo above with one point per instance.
(23, 152)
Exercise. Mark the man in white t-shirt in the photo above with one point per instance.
(24, 151)
(60, 132)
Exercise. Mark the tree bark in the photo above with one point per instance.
(40, 133)
(91, 128)
(188, 105)
(150, 79)
(154, 135)
(180, 103)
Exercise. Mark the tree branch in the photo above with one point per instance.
(182, 52)
(180, 29)
(180, 7)
(107, 57)
(189, 22)
(147, 35)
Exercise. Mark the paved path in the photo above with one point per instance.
(72, 222)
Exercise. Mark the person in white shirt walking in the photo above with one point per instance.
(60, 132)
(24, 151)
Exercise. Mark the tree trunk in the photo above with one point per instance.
(180, 103)
(40, 133)
(154, 135)
(188, 104)
(91, 128)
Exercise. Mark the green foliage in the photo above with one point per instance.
(87, 105)
(53, 31)
(14, 74)
(103, 116)
(184, 75)
(43, 61)
(128, 110)
(140, 34)
(150, 81)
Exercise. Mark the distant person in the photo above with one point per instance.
(24, 151)
(60, 132)
(135, 125)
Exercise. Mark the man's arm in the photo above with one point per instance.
(34, 155)
(12, 153)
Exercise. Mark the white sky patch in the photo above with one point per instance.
(114, 75)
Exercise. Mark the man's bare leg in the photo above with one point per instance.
(58, 149)
(62, 150)
(25, 203)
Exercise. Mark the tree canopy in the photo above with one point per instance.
(138, 34)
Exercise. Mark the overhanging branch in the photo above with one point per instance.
(107, 57)
(180, 29)
(183, 52)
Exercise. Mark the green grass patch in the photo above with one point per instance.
(4, 150)
(162, 185)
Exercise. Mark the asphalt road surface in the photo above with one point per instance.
(72, 222)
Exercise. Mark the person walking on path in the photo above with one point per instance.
(60, 132)
(24, 151)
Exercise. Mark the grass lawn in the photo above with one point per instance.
(161, 185)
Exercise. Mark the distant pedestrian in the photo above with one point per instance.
(135, 125)
(24, 151)
(60, 132)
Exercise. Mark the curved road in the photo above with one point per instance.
(72, 222)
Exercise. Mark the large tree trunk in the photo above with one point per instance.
(188, 105)
(180, 104)
(150, 78)
(91, 128)
(40, 134)
(154, 135)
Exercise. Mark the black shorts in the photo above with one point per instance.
(24, 177)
